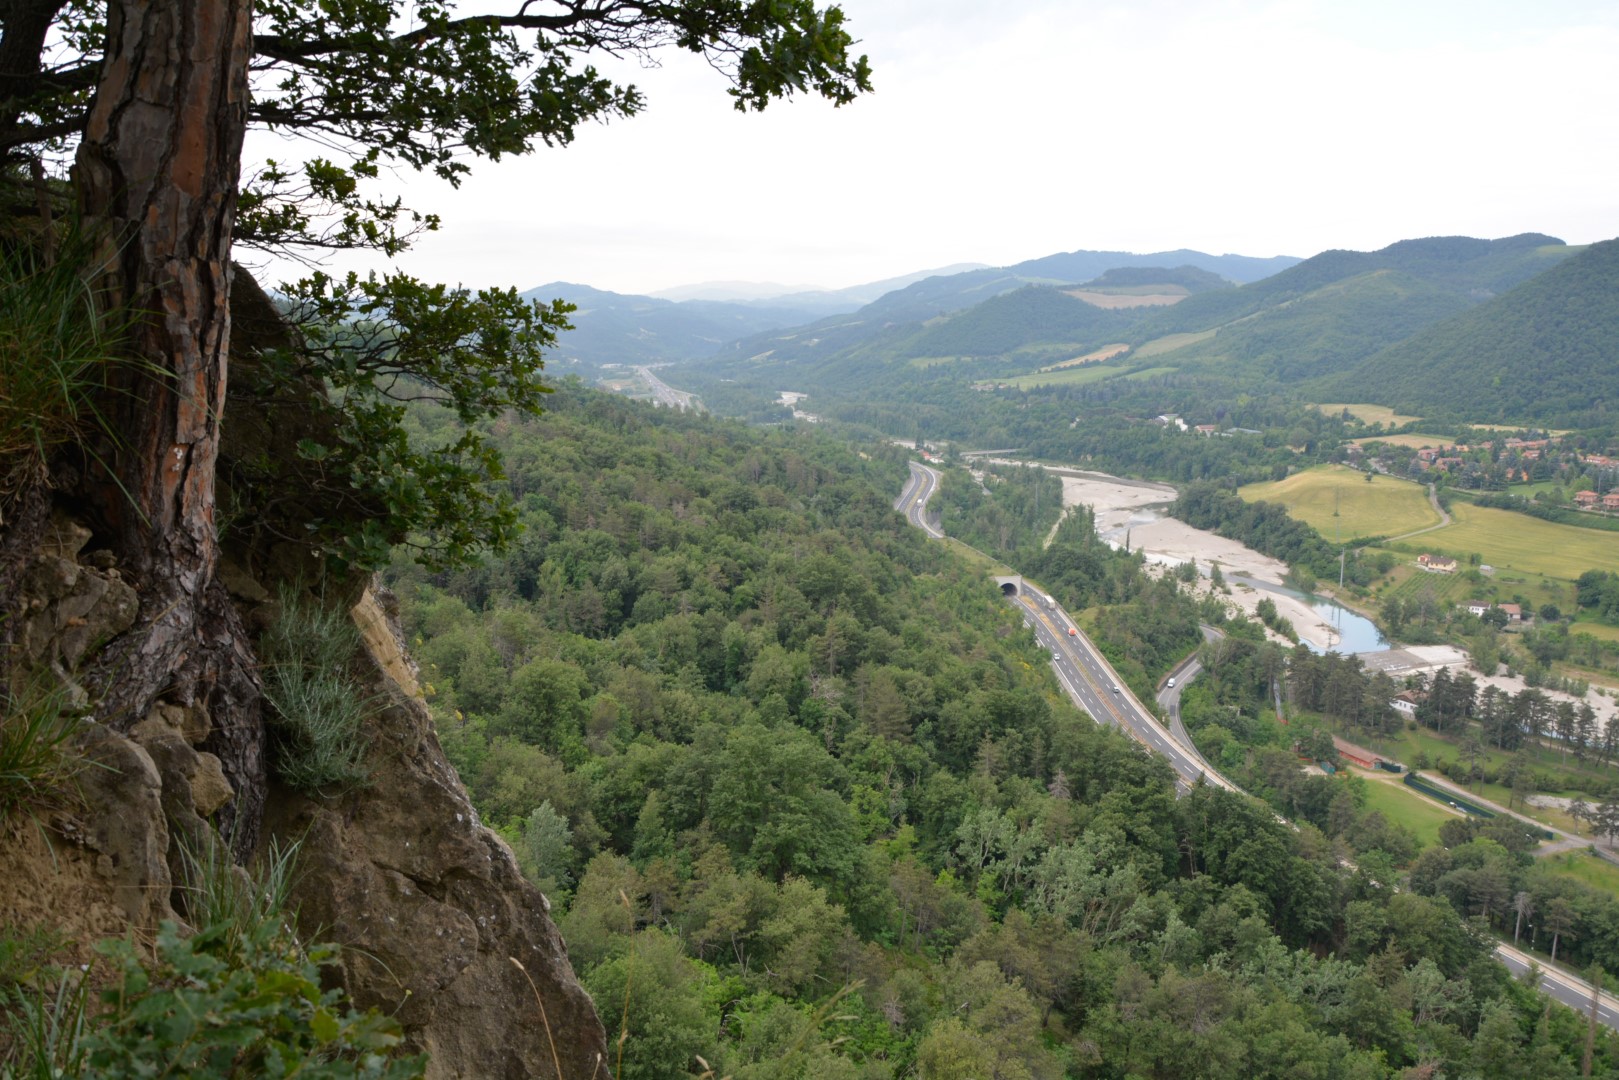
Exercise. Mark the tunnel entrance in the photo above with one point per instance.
(1010, 585)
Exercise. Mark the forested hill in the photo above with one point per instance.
(1085, 265)
(1544, 351)
(1338, 308)
(610, 327)
(809, 806)
(1004, 324)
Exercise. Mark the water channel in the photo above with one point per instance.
(1353, 633)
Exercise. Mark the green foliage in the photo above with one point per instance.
(786, 745)
(258, 1010)
(239, 998)
(320, 711)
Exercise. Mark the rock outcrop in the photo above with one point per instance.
(438, 927)
(429, 905)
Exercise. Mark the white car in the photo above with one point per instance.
(1172, 684)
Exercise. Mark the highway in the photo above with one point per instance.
(1561, 986)
(913, 501)
(1095, 687)
(663, 393)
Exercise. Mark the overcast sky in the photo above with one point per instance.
(1006, 131)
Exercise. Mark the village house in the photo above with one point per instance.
(1514, 612)
(1406, 701)
(1478, 607)
(1610, 501)
(1437, 564)
(1586, 500)
(1206, 429)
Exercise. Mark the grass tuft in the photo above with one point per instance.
(319, 712)
(37, 762)
(54, 353)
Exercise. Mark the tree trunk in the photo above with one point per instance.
(158, 169)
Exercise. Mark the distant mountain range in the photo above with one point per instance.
(1519, 329)
(614, 328)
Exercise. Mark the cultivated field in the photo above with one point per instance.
(1106, 352)
(1111, 300)
(1416, 440)
(1510, 541)
(1171, 342)
(1371, 414)
(1384, 507)
(1596, 630)
(1078, 376)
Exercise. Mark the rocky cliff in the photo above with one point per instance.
(436, 925)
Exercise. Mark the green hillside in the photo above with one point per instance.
(1193, 279)
(1545, 351)
(1031, 315)
(1470, 268)
(1327, 329)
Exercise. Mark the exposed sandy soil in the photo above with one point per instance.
(1115, 300)
(1105, 353)
(1133, 511)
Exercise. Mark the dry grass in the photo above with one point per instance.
(1106, 352)
(1114, 301)
(1371, 414)
(1170, 342)
(1416, 440)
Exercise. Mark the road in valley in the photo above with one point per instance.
(913, 501)
(1095, 687)
(663, 393)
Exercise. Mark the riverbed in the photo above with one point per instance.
(1135, 514)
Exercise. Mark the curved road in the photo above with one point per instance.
(913, 501)
(1096, 688)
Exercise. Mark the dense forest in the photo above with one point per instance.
(808, 804)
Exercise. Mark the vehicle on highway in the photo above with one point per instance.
(1115, 688)
(1049, 601)
(1072, 632)
(1171, 684)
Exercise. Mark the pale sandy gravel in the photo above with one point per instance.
(1134, 511)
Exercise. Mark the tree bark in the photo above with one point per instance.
(158, 170)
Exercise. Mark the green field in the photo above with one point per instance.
(1509, 541)
(1400, 804)
(1596, 630)
(1077, 376)
(1171, 342)
(1412, 584)
(1584, 866)
(1384, 507)
(1371, 414)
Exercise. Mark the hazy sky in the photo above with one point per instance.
(1001, 132)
